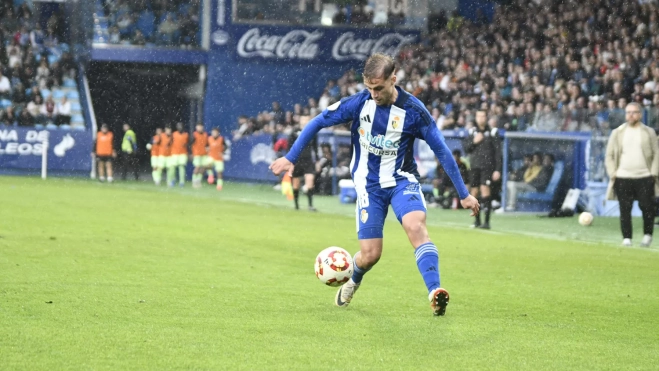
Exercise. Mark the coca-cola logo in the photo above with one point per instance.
(348, 47)
(296, 44)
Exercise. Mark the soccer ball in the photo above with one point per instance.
(333, 266)
(585, 218)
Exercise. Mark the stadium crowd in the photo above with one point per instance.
(545, 65)
(35, 69)
(153, 22)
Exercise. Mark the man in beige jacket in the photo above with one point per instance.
(632, 163)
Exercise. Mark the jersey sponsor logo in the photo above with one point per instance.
(412, 188)
(377, 144)
(296, 44)
(347, 46)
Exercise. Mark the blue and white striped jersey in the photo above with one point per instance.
(383, 139)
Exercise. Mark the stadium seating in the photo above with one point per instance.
(536, 200)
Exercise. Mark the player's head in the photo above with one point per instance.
(179, 127)
(481, 118)
(158, 131)
(168, 130)
(200, 127)
(457, 154)
(528, 158)
(104, 128)
(537, 158)
(380, 78)
(126, 127)
(215, 132)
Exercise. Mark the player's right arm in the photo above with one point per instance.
(338, 113)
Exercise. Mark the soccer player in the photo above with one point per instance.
(199, 154)
(166, 160)
(104, 153)
(304, 168)
(154, 146)
(484, 148)
(385, 121)
(216, 157)
(180, 152)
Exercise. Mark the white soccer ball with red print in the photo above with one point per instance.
(334, 266)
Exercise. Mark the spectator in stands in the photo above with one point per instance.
(18, 97)
(49, 110)
(277, 114)
(114, 35)
(8, 117)
(43, 74)
(518, 175)
(51, 40)
(34, 108)
(10, 22)
(25, 119)
(15, 58)
(63, 112)
(632, 163)
(536, 179)
(27, 75)
(139, 38)
(168, 29)
(5, 86)
(616, 113)
(37, 37)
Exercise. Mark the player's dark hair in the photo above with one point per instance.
(216, 129)
(457, 152)
(379, 66)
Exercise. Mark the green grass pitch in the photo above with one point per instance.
(134, 277)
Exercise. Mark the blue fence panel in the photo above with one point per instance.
(21, 149)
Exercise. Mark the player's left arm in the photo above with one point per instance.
(428, 131)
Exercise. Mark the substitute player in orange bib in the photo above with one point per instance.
(216, 157)
(180, 152)
(199, 154)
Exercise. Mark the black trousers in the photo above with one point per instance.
(129, 163)
(641, 190)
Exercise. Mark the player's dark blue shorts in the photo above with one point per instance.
(372, 207)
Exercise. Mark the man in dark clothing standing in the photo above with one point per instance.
(483, 146)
